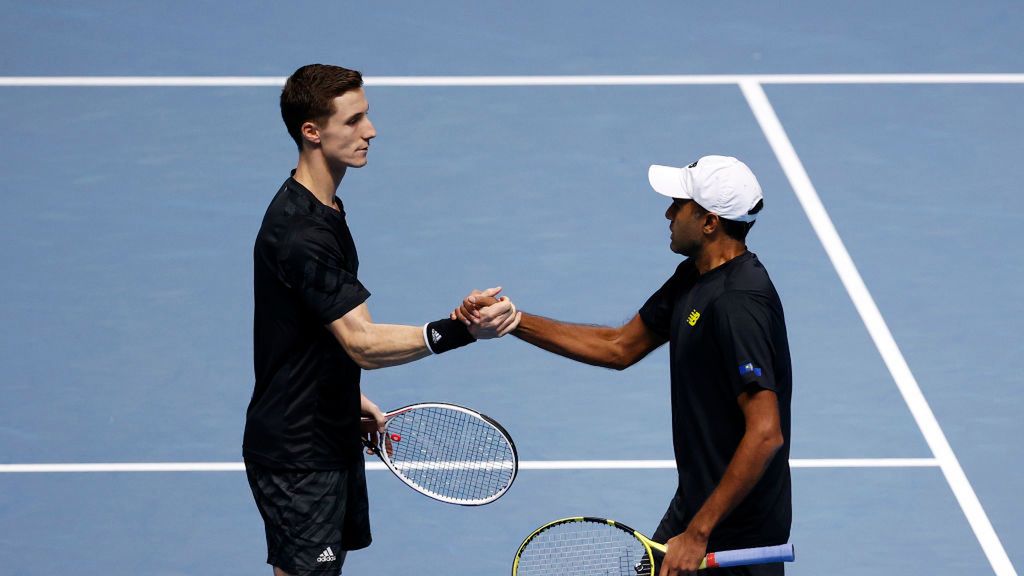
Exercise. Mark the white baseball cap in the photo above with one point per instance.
(719, 184)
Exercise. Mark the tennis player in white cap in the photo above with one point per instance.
(731, 380)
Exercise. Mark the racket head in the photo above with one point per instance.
(450, 453)
(583, 546)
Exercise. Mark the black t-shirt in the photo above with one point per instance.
(304, 412)
(727, 334)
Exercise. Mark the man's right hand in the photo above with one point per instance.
(486, 314)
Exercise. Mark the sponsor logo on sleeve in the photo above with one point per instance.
(749, 368)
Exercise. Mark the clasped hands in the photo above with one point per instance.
(487, 315)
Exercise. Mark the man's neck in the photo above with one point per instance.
(715, 254)
(314, 173)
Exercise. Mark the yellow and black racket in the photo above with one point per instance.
(585, 546)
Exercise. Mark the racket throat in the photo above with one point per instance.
(645, 567)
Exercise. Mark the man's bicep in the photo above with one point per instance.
(352, 328)
(760, 408)
(637, 339)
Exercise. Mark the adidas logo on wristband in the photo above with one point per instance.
(444, 335)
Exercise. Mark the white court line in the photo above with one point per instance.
(877, 328)
(671, 464)
(523, 465)
(605, 80)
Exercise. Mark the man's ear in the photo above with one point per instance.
(711, 222)
(310, 133)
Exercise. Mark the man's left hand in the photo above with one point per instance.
(372, 430)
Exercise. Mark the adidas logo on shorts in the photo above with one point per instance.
(326, 556)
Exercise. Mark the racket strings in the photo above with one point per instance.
(583, 548)
(451, 453)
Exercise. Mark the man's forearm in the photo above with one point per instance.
(593, 345)
(383, 345)
(748, 464)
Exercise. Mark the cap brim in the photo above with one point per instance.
(666, 181)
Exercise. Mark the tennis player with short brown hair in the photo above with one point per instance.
(313, 336)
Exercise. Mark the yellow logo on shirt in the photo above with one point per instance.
(692, 318)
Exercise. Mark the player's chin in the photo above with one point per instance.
(358, 159)
(680, 249)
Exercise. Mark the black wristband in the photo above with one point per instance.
(444, 335)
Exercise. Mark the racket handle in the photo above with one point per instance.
(747, 556)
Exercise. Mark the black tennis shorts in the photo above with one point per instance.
(311, 517)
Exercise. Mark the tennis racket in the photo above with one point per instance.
(600, 547)
(447, 452)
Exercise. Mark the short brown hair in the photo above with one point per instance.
(309, 94)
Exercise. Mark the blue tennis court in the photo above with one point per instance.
(143, 143)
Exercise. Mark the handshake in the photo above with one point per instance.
(487, 315)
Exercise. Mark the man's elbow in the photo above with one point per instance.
(766, 437)
(359, 352)
(771, 440)
(367, 364)
(619, 360)
(621, 355)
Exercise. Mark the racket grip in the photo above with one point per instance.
(747, 556)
